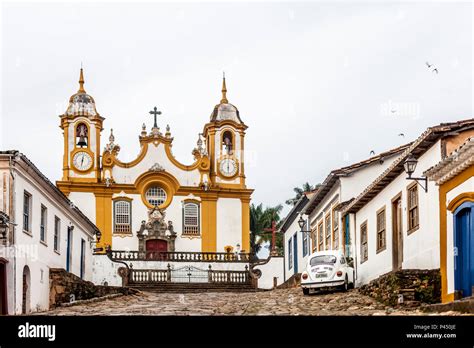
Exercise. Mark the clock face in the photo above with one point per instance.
(82, 160)
(228, 167)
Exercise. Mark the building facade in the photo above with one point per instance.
(200, 207)
(296, 242)
(44, 230)
(395, 219)
(329, 231)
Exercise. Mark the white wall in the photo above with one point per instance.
(421, 247)
(27, 249)
(356, 182)
(229, 223)
(302, 257)
(155, 154)
(273, 268)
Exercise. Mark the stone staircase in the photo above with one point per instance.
(192, 287)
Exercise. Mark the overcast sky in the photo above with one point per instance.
(319, 84)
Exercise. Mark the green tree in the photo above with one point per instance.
(260, 219)
(306, 187)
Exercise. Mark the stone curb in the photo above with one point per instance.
(91, 300)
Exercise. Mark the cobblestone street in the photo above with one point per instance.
(276, 302)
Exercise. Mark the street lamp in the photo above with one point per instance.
(301, 223)
(410, 165)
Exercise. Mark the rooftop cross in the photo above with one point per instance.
(155, 112)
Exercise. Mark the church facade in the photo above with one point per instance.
(199, 207)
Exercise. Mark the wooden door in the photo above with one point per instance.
(155, 248)
(397, 234)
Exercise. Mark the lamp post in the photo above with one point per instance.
(410, 166)
(301, 223)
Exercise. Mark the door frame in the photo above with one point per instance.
(458, 241)
(396, 243)
(3, 284)
(295, 252)
(69, 248)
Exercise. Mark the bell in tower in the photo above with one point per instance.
(81, 135)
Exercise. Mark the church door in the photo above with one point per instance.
(154, 248)
(464, 249)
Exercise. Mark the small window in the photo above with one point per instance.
(43, 223)
(320, 237)
(381, 230)
(323, 260)
(191, 218)
(57, 233)
(335, 226)
(364, 251)
(290, 253)
(328, 232)
(305, 240)
(413, 217)
(156, 196)
(122, 216)
(26, 212)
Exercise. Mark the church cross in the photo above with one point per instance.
(155, 112)
(273, 230)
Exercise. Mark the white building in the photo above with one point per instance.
(394, 220)
(44, 231)
(296, 245)
(328, 230)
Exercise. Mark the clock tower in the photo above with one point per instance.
(225, 134)
(81, 125)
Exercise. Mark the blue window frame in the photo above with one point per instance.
(290, 253)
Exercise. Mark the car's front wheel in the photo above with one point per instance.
(305, 291)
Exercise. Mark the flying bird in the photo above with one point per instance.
(401, 135)
(372, 152)
(434, 69)
(393, 111)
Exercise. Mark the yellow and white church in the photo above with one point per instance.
(200, 207)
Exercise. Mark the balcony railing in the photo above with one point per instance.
(188, 274)
(178, 256)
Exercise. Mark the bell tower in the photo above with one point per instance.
(81, 125)
(225, 134)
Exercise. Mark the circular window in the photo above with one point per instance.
(156, 196)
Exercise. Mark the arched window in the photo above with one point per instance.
(156, 196)
(227, 142)
(122, 216)
(191, 218)
(82, 135)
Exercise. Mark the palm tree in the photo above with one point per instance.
(299, 192)
(260, 219)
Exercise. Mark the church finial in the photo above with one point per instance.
(224, 90)
(81, 81)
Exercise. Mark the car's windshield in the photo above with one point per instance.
(322, 259)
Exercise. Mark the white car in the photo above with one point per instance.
(327, 269)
